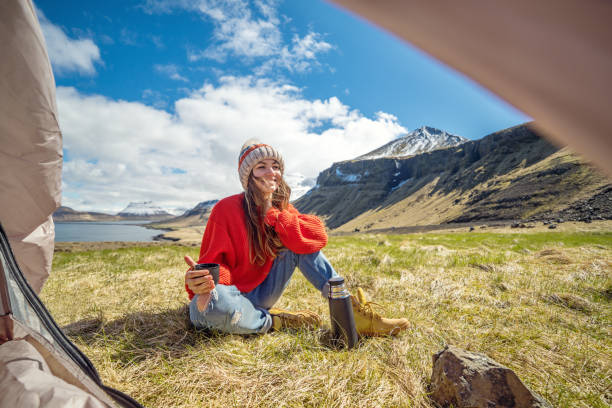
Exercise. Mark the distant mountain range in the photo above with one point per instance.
(299, 184)
(65, 214)
(509, 175)
(135, 211)
(196, 217)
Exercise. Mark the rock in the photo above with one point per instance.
(463, 379)
(162, 237)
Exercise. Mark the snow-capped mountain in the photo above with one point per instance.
(299, 184)
(143, 209)
(421, 140)
(201, 208)
(177, 211)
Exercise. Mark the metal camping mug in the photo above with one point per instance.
(213, 269)
(341, 313)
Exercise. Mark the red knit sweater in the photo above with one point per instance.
(225, 241)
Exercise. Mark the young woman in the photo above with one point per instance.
(258, 239)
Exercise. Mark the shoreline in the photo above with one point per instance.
(191, 236)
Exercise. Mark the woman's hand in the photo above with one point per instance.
(200, 282)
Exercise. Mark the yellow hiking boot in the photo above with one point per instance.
(370, 323)
(300, 319)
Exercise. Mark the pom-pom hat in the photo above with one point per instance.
(253, 152)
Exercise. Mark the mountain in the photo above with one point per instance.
(196, 217)
(201, 209)
(512, 174)
(144, 210)
(299, 184)
(177, 211)
(421, 140)
(67, 214)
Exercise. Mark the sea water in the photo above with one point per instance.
(103, 231)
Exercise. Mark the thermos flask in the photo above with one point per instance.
(341, 313)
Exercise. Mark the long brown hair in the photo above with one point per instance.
(263, 240)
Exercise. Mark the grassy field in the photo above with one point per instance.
(538, 302)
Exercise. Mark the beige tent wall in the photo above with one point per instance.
(30, 141)
(552, 59)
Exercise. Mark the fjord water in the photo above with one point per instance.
(103, 231)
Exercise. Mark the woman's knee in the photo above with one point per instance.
(229, 312)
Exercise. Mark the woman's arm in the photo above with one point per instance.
(301, 233)
(215, 246)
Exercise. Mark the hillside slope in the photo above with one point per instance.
(67, 214)
(511, 174)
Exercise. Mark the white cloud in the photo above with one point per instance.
(252, 32)
(155, 98)
(67, 54)
(170, 70)
(239, 29)
(303, 51)
(119, 151)
(300, 57)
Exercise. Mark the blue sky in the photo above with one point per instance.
(156, 97)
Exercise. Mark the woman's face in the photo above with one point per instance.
(267, 174)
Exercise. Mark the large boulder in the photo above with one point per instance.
(463, 379)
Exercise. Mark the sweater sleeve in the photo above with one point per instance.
(301, 233)
(214, 249)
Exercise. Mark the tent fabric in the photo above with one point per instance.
(552, 59)
(26, 381)
(23, 317)
(30, 141)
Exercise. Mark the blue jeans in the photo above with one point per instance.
(232, 311)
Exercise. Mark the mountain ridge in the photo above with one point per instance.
(195, 217)
(420, 140)
(510, 174)
(67, 214)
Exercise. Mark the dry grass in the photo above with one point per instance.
(537, 302)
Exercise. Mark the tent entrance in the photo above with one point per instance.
(29, 335)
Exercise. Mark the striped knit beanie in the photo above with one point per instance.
(253, 152)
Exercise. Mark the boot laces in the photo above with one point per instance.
(365, 306)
